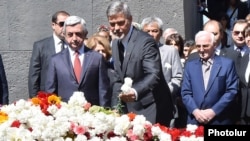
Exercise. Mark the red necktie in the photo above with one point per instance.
(77, 67)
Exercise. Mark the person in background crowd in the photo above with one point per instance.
(239, 44)
(170, 60)
(189, 47)
(247, 35)
(244, 75)
(102, 45)
(177, 41)
(4, 91)
(248, 18)
(167, 32)
(103, 30)
(227, 35)
(236, 10)
(137, 56)
(78, 68)
(216, 28)
(42, 52)
(209, 93)
(211, 8)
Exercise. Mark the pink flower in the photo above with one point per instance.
(87, 106)
(131, 136)
(79, 130)
(72, 125)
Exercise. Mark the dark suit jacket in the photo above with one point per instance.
(214, 7)
(220, 93)
(244, 88)
(39, 62)
(94, 78)
(142, 64)
(4, 92)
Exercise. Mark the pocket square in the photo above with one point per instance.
(167, 65)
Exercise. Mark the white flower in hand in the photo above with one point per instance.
(126, 87)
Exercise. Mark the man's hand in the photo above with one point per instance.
(127, 97)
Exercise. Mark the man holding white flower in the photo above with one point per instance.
(149, 94)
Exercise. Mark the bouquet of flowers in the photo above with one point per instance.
(47, 118)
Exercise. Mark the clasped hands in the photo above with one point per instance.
(204, 116)
(128, 96)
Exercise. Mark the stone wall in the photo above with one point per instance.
(25, 21)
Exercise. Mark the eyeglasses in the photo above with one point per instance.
(238, 32)
(60, 24)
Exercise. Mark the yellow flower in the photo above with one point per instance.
(3, 117)
(53, 99)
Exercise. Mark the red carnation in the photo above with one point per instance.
(16, 124)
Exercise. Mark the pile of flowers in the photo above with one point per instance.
(47, 118)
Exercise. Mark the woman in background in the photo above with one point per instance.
(177, 41)
(102, 45)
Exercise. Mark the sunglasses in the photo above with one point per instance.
(238, 32)
(60, 24)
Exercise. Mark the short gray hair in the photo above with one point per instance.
(150, 20)
(73, 20)
(205, 33)
(118, 7)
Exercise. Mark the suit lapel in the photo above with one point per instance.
(243, 67)
(115, 54)
(214, 72)
(87, 59)
(129, 49)
(67, 60)
(52, 48)
(198, 70)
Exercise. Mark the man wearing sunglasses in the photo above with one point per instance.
(238, 37)
(42, 52)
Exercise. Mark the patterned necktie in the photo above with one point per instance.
(238, 49)
(206, 73)
(77, 67)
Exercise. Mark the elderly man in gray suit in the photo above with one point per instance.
(170, 59)
(42, 52)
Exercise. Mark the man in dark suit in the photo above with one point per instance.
(42, 52)
(245, 90)
(213, 7)
(244, 77)
(238, 37)
(78, 68)
(140, 61)
(210, 85)
(4, 92)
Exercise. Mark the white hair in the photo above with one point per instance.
(168, 32)
(73, 20)
(205, 33)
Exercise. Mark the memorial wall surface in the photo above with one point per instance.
(25, 21)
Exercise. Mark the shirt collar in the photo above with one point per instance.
(210, 60)
(56, 39)
(72, 52)
(127, 37)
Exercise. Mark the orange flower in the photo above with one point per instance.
(53, 99)
(3, 117)
(131, 116)
(36, 101)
